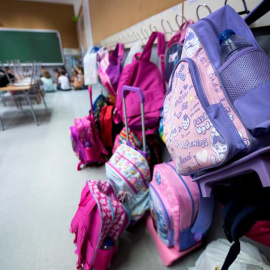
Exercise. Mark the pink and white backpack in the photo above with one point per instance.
(215, 112)
(99, 218)
(85, 140)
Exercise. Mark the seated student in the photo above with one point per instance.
(64, 69)
(63, 82)
(47, 81)
(78, 82)
(73, 78)
(56, 75)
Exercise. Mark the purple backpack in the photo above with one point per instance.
(109, 67)
(99, 220)
(85, 140)
(144, 74)
(215, 112)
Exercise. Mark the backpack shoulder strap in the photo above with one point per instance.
(179, 36)
(183, 30)
(118, 52)
(239, 215)
(146, 54)
(204, 217)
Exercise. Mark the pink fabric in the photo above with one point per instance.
(116, 143)
(260, 232)
(143, 74)
(167, 255)
(176, 198)
(85, 139)
(179, 36)
(109, 69)
(86, 225)
(100, 215)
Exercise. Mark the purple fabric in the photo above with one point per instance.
(230, 20)
(221, 120)
(114, 69)
(255, 110)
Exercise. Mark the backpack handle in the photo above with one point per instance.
(118, 52)
(204, 217)
(137, 90)
(91, 102)
(146, 54)
(183, 30)
(179, 36)
(245, 11)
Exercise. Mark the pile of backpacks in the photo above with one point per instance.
(214, 120)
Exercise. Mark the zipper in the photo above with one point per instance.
(189, 193)
(167, 218)
(216, 31)
(196, 79)
(110, 204)
(144, 181)
(123, 177)
(197, 83)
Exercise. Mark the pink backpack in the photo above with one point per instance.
(144, 74)
(100, 219)
(181, 216)
(85, 140)
(109, 67)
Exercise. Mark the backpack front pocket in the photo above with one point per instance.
(161, 217)
(199, 135)
(246, 79)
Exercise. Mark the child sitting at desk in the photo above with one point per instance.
(63, 82)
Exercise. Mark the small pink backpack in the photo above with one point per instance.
(144, 74)
(180, 215)
(109, 67)
(100, 219)
(85, 140)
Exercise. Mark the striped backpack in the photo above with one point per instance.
(128, 171)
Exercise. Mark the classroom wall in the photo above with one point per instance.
(109, 17)
(37, 15)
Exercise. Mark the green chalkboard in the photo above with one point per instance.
(26, 45)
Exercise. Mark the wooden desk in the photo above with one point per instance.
(25, 91)
(15, 88)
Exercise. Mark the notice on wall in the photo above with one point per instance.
(192, 1)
